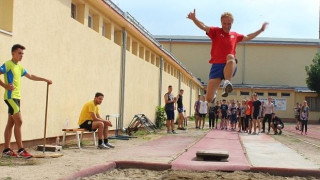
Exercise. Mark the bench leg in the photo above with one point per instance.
(94, 138)
(64, 138)
(78, 139)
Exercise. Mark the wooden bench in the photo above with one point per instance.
(79, 135)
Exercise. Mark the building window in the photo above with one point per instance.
(313, 103)
(6, 15)
(90, 21)
(285, 94)
(272, 94)
(260, 93)
(244, 93)
(73, 11)
(106, 30)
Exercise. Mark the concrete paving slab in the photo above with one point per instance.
(161, 150)
(214, 140)
(264, 151)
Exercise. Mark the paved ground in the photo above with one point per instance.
(264, 151)
(215, 140)
(259, 153)
(313, 130)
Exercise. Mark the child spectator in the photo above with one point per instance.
(304, 115)
(277, 124)
(203, 110)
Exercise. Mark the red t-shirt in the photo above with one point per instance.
(249, 109)
(222, 44)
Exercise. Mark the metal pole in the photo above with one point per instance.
(123, 76)
(191, 87)
(179, 80)
(160, 80)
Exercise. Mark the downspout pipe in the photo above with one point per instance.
(243, 64)
(179, 83)
(123, 77)
(160, 80)
(190, 107)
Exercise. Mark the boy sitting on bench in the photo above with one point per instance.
(90, 119)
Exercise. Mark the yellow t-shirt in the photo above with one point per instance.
(86, 111)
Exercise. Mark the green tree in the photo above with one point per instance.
(313, 73)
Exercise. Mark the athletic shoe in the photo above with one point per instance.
(103, 146)
(227, 88)
(169, 132)
(173, 132)
(212, 103)
(9, 153)
(262, 131)
(183, 129)
(24, 154)
(275, 133)
(109, 145)
(254, 133)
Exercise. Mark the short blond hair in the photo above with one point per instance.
(226, 14)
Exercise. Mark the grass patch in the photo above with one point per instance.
(144, 134)
(12, 161)
(295, 140)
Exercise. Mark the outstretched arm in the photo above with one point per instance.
(36, 78)
(255, 34)
(201, 25)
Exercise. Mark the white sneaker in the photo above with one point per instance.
(109, 145)
(212, 103)
(103, 146)
(227, 88)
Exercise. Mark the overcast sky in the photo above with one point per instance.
(287, 18)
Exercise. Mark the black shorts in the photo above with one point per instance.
(170, 114)
(87, 125)
(202, 115)
(13, 106)
(255, 116)
(224, 116)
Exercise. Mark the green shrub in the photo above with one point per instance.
(160, 116)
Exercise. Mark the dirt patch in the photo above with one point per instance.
(12, 162)
(306, 146)
(135, 174)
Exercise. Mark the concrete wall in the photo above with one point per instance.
(81, 61)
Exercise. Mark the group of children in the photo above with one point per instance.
(301, 112)
(245, 116)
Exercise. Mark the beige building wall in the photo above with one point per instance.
(81, 61)
(277, 64)
(264, 65)
(142, 86)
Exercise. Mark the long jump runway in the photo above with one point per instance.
(215, 140)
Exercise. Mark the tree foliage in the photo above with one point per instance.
(313, 74)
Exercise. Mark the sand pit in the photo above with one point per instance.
(135, 174)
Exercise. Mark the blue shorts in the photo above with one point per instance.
(180, 110)
(170, 114)
(216, 71)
